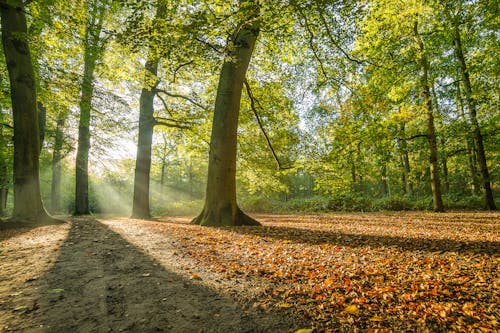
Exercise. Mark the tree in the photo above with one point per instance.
(93, 48)
(28, 206)
(140, 204)
(437, 199)
(221, 208)
(471, 105)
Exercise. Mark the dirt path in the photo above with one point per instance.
(100, 282)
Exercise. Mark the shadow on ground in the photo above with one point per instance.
(316, 237)
(102, 283)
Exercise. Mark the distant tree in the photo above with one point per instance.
(93, 43)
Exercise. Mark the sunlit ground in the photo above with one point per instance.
(393, 271)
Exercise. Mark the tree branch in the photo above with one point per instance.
(414, 137)
(168, 122)
(187, 98)
(213, 47)
(178, 68)
(7, 125)
(254, 110)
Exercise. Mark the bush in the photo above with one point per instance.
(178, 208)
(394, 203)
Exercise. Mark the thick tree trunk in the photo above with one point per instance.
(28, 206)
(403, 145)
(478, 138)
(140, 206)
(93, 50)
(437, 200)
(221, 208)
(56, 164)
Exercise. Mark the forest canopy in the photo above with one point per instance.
(308, 105)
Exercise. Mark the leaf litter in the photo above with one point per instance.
(369, 272)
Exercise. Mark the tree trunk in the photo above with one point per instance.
(42, 122)
(221, 208)
(446, 182)
(140, 206)
(82, 155)
(471, 153)
(406, 161)
(4, 186)
(437, 200)
(56, 164)
(383, 180)
(28, 206)
(93, 51)
(478, 138)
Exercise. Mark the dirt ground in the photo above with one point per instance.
(386, 272)
(112, 276)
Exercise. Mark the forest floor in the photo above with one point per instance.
(377, 272)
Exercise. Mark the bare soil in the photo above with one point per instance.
(116, 276)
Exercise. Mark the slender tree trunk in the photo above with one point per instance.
(220, 202)
(93, 51)
(42, 122)
(82, 155)
(478, 138)
(471, 154)
(406, 161)
(446, 182)
(437, 199)
(140, 206)
(28, 204)
(383, 180)
(354, 178)
(56, 164)
(4, 186)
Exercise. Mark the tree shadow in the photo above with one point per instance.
(316, 237)
(11, 228)
(102, 283)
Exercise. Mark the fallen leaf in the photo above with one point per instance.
(352, 309)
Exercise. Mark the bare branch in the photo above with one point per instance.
(252, 105)
(187, 98)
(178, 68)
(6, 125)
(164, 104)
(167, 122)
(213, 47)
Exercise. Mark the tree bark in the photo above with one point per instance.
(4, 186)
(42, 122)
(471, 153)
(140, 206)
(383, 179)
(28, 206)
(93, 51)
(471, 105)
(403, 145)
(221, 207)
(446, 182)
(56, 164)
(437, 200)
